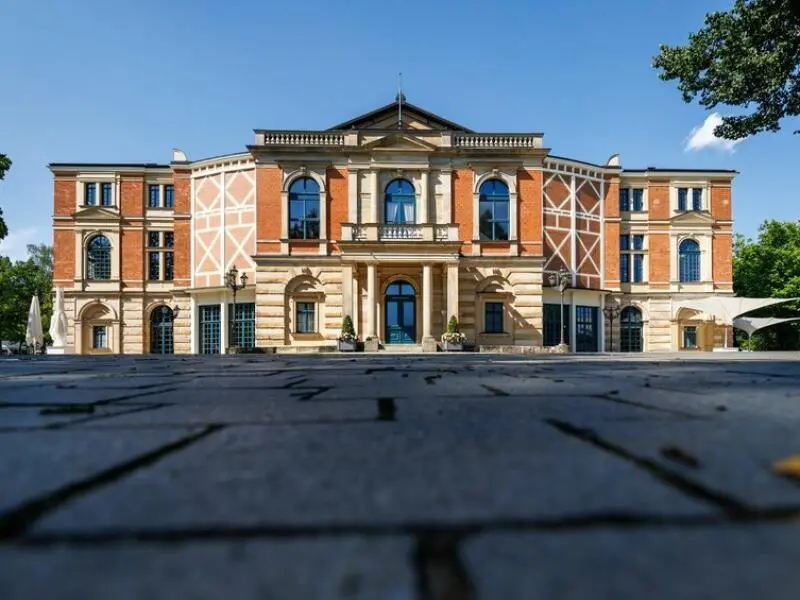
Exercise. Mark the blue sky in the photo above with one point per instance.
(101, 81)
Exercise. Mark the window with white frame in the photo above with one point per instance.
(690, 198)
(631, 199)
(98, 193)
(160, 195)
(631, 258)
(160, 255)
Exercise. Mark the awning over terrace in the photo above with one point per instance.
(753, 324)
(725, 309)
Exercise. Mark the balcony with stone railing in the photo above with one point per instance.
(397, 232)
(497, 141)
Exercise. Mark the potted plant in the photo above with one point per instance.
(452, 339)
(348, 338)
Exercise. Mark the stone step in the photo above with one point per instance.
(402, 347)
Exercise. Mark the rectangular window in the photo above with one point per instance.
(638, 268)
(169, 239)
(89, 194)
(624, 200)
(105, 198)
(155, 196)
(493, 317)
(242, 325)
(690, 337)
(169, 266)
(306, 311)
(624, 242)
(624, 264)
(697, 199)
(153, 239)
(99, 336)
(638, 242)
(169, 196)
(553, 324)
(209, 329)
(682, 198)
(638, 199)
(154, 266)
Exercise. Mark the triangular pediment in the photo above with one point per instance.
(400, 142)
(693, 217)
(96, 212)
(403, 116)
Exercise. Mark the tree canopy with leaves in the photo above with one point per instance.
(19, 282)
(5, 165)
(746, 57)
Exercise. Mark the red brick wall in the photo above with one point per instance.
(64, 201)
(611, 232)
(722, 260)
(462, 206)
(337, 202)
(132, 195)
(182, 227)
(132, 247)
(721, 202)
(658, 199)
(529, 211)
(63, 257)
(659, 256)
(268, 209)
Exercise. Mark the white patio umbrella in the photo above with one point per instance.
(34, 334)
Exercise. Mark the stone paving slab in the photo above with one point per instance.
(37, 462)
(757, 561)
(349, 568)
(472, 469)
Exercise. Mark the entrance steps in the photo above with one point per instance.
(401, 348)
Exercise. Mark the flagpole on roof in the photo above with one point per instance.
(400, 101)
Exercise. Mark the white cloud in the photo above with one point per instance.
(702, 137)
(15, 243)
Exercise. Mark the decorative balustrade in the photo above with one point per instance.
(501, 141)
(391, 231)
(299, 138)
(396, 232)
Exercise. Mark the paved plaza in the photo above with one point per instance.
(399, 477)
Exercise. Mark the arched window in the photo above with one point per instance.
(631, 329)
(400, 203)
(98, 258)
(689, 260)
(493, 210)
(304, 209)
(161, 339)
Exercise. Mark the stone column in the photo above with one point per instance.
(428, 343)
(452, 293)
(372, 283)
(422, 217)
(373, 213)
(347, 290)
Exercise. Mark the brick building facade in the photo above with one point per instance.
(400, 219)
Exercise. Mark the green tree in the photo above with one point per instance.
(19, 282)
(770, 267)
(747, 57)
(5, 165)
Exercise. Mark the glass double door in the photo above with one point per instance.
(400, 310)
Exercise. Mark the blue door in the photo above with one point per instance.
(400, 314)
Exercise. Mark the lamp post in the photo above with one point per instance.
(611, 311)
(562, 280)
(232, 280)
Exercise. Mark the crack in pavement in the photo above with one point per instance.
(17, 521)
(617, 400)
(732, 507)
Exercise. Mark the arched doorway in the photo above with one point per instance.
(631, 330)
(161, 338)
(401, 310)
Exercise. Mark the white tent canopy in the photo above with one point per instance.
(724, 309)
(34, 334)
(753, 324)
